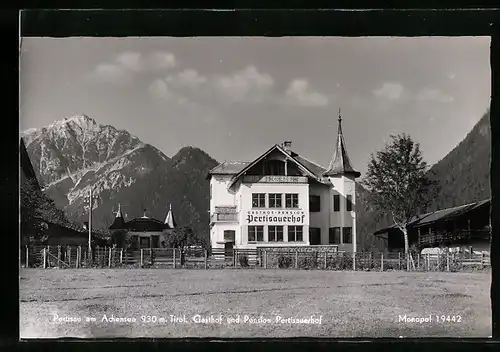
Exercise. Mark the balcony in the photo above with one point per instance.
(224, 217)
(274, 179)
(224, 214)
(229, 209)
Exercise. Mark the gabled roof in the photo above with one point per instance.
(235, 167)
(229, 168)
(340, 163)
(439, 215)
(269, 151)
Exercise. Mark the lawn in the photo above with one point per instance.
(350, 304)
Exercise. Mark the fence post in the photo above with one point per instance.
(235, 253)
(428, 262)
(173, 259)
(121, 255)
(439, 261)
(78, 256)
(44, 258)
(418, 261)
(381, 261)
(354, 261)
(27, 257)
(142, 250)
(206, 259)
(68, 255)
(109, 263)
(370, 260)
(296, 258)
(482, 260)
(447, 261)
(399, 260)
(326, 256)
(265, 259)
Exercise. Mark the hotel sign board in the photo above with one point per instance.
(275, 217)
(274, 179)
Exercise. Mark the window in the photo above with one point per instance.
(334, 237)
(314, 204)
(348, 204)
(274, 167)
(315, 235)
(229, 235)
(347, 235)
(275, 233)
(336, 202)
(291, 200)
(294, 233)
(275, 200)
(258, 200)
(255, 233)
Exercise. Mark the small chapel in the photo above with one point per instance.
(145, 232)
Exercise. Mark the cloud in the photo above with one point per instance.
(390, 91)
(160, 90)
(110, 73)
(162, 60)
(130, 62)
(452, 76)
(187, 78)
(248, 85)
(299, 93)
(430, 94)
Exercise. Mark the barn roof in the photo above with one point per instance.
(439, 215)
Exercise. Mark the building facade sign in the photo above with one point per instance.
(275, 179)
(278, 217)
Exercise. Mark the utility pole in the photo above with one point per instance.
(90, 202)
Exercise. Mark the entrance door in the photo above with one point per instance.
(155, 241)
(228, 247)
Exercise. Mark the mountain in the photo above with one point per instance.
(463, 176)
(70, 155)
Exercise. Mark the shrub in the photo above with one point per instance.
(340, 261)
(309, 261)
(243, 259)
(284, 261)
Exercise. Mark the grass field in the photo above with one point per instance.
(351, 304)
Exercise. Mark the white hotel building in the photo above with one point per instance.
(283, 199)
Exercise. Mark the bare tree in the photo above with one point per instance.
(398, 183)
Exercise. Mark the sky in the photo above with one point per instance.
(236, 97)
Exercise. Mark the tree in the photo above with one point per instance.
(183, 237)
(398, 183)
(120, 238)
(37, 208)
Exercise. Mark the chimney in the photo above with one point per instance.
(287, 145)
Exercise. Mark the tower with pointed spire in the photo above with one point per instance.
(119, 222)
(342, 176)
(169, 220)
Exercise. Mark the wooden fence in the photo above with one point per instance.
(79, 257)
